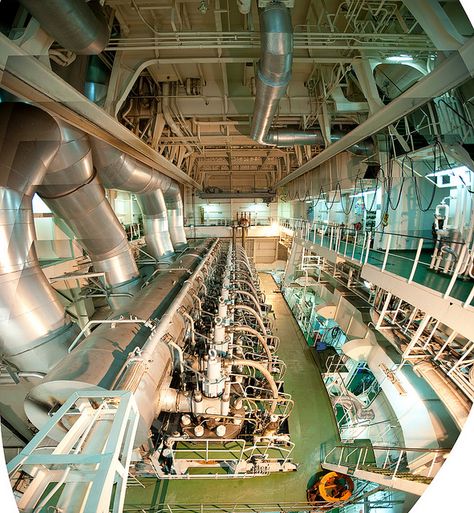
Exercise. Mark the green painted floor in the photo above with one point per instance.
(401, 262)
(312, 428)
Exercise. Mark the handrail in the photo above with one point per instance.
(352, 230)
(336, 238)
(393, 448)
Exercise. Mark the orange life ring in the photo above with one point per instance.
(331, 491)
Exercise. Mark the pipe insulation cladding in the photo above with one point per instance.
(73, 192)
(273, 76)
(34, 329)
(129, 356)
(76, 25)
(164, 228)
(274, 68)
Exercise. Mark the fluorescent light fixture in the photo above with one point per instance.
(468, 7)
(454, 171)
(460, 175)
(399, 58)
(359, 194)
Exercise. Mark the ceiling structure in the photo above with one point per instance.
(203, 55)
(182, 76)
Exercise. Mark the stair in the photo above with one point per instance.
(401, 475)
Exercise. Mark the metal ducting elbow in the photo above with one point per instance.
(273, 76)
(274, 69)
(120, 171)
(174, 203)
(73, 192)
(35, 332)
(156, 226)
(76, 25)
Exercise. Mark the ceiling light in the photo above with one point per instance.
(468, 9)
(458, 176)
(359, 194)
(454, 171)
(400, 58)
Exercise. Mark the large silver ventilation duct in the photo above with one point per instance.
(274, 69)
(273, 76)
(34, 330)
(73, 192)
(77, 25)
(174, 204)
(120, 171)
(287, 137)
(129, 356)
(155, 224)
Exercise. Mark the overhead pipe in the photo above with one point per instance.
(274, 68)
(118, 170)
(165, 108)
(73, 192)
(76, 25)
(285, 137)
(273, 77)
(35, 332)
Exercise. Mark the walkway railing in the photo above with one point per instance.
(453, 260)
(391, 463)
(224, 459)
(227, 221)
(87, 469)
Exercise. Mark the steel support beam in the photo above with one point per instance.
(435, 23)
(449, 74)
(26, 77)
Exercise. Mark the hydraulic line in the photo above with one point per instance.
(255, 314)
(250, 331)
(247, 294)
(256, 294)
(266, 374)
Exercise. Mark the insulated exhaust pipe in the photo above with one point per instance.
(35, 332)
(159, 197)
(77, 25)
(73, 192)
(274, 68)
(284, 137)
